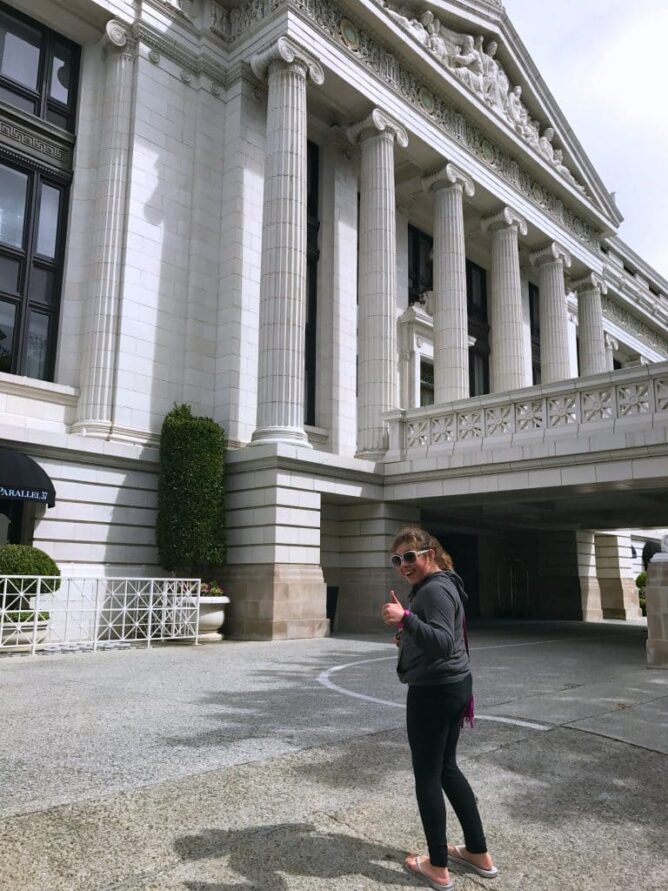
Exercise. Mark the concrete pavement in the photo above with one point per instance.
(285, 765)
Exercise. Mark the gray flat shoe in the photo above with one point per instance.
(461, 860)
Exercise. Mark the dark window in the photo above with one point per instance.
(420, 263)
(426, 382)
(312, 255)
(476, 298)
(478, 372)
(534, 323)
(37, 69)
(32, 226)
(421, 279)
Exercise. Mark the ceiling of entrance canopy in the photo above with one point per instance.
(587, 507)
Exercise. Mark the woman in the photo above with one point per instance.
(433, 661)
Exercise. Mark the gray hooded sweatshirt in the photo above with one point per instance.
(431, 645)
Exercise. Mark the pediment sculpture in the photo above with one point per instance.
(478, 69)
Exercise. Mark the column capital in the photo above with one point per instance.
(118, 37)
(504, 219)
(590, 282)
(378, 122)
(611, 342)
(287, 51)
(550, 253)
(448, 176)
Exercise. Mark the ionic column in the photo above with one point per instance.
(507, 362)
(593, 358)
(98, 370)
(611, 347)
(280, 409)
(554, 357)
(451, 354)
(377, 324)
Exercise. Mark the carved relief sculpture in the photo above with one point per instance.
(483, 74)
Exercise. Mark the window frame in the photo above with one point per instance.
(48, 165)
(42, 101)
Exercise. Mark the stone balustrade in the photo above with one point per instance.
(614, 402)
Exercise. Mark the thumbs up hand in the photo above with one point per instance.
(393, 612)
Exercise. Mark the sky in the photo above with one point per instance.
(606, 64)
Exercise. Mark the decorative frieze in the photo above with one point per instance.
(634, 325)
(33, 138)
(189, 63)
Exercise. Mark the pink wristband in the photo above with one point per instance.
(407, 613)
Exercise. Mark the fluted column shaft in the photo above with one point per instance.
(96, 401)
(451, 347)
(280, 409)
(593, 357)
(554, 354)
(378, 383)
(507, 361)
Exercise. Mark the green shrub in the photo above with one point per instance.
(23, 617)
(191, 503)
(641, 584)
(25, 560)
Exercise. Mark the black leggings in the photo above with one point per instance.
(432, 721)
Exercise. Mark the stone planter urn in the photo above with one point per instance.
(211, 618)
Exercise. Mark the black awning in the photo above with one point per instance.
(22, 479)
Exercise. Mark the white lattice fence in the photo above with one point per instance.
(47, 613)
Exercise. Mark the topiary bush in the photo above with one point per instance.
(24, 560)
(191, 492)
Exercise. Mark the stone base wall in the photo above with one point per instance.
(590, 594)
(656, 593)
(619, 595)
(275, 602)
(619, 598)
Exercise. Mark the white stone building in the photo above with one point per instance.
(364, 239)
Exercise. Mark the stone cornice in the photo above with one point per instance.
(193, 62)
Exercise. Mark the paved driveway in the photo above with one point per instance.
(285, 765)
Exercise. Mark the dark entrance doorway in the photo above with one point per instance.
(11, 521)
(464, 552)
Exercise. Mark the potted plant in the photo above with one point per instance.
(21, 625)
(212, 603)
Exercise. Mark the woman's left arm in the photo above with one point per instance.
(434, 632)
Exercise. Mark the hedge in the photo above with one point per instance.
(191, 492)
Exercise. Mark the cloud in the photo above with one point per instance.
(606, 66)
